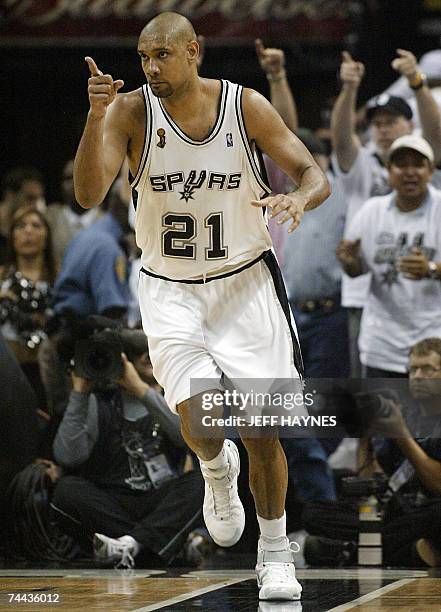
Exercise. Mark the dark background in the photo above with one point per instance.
(43, 85)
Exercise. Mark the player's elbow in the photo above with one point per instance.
(87, 200)
(325, 187)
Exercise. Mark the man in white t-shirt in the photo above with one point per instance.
(397, 238)
(361, 169)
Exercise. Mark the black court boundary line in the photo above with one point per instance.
(181, 598)
(350, 605)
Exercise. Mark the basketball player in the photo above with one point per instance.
(210, 291)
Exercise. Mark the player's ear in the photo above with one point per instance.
(193, 51)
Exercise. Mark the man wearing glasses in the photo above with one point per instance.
(413, 532)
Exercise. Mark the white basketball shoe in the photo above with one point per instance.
(223, 511)
(276, 575)
(113, 551)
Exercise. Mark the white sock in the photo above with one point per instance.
(136, 546)
(273, 529)
(218, 463)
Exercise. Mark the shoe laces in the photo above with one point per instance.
(127, 561)
(279, 572)
(221, 497)
(123, 550)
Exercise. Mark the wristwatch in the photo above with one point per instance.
(419, 81)
(433, 270)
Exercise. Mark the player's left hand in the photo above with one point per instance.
(289, 205)
(414, 266)
(406, 64)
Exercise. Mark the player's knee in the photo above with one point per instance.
(204, 442)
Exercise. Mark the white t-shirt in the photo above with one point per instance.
(398, 312)
(367, 178)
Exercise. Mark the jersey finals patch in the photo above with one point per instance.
(161, 133)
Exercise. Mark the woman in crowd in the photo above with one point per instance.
(26, 282)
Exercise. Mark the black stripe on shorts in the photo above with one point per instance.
(273, 267)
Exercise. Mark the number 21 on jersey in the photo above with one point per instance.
(178, 239)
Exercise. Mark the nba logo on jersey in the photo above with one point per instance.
(229, 139)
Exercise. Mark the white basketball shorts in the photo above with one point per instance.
(237, 325)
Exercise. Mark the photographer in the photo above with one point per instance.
(413, 518)
(411, 459)
(123, 454)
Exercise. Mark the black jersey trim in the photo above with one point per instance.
(147, 136)
(257, 172)
(273, 267)
(262, 168)
(216, 128)
(134, 198)
(201, 281)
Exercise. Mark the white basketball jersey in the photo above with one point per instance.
(194, 216)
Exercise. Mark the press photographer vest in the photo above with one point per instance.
(121, 453)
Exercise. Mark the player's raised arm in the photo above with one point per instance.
(104, 142)
(265, 126)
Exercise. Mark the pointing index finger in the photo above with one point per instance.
(94, 70)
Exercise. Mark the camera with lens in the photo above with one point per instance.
(99, 357)
(94, 347)
(357, 407)
(354, 486)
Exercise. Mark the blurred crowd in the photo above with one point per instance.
(363, 277)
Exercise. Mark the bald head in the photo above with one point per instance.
(171, 27)
(169, 53)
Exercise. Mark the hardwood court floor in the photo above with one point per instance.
(361, 590)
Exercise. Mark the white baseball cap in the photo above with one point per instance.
(416, 143)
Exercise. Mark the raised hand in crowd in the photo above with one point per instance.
(272, 61)
(406, 64)
(351, 71)
(345, 141)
